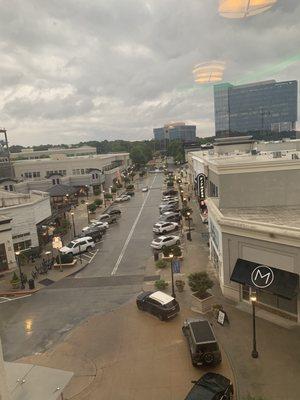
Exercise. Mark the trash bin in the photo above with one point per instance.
(31, 284)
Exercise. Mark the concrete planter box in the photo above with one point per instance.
(202, 306)
(68, 265)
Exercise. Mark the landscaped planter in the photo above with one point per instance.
(67, 265)
(203, 305)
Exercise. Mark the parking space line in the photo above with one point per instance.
(131, 232)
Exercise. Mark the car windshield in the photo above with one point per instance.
(71, 245)
(200, 393)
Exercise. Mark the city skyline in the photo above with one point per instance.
(116, 70)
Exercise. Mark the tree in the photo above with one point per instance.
(137, 155)
(200, 282)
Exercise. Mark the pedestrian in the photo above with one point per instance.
(189, 198)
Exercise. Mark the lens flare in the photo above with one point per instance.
(244, 8)
(209, 72)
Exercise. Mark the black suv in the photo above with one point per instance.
(114, 211)
(211, 386)
(202, 343)
(94, 233)
(158, 303)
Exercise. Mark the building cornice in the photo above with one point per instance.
(253, 229)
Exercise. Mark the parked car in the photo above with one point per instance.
(170, 216)
(95, 233)
(166, 198)
(114, 211)
(169, 207)
(77, 246)
(170, 192)
(130, 193)
(202, 343)
(164, 227)
(96, 224)
(159, 304)
(122, 198)
(107, 218)
(145, 189)
(168, 203)
(211, 386)
(162, 242)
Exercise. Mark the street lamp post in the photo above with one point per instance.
(181, 195)
(73, 222)
(189, 235)
(88, 211)
(17, 253)
(253, 299)
(172, 276)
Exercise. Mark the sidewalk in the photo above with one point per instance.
(275, 374)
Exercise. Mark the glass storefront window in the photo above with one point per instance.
(3, 258)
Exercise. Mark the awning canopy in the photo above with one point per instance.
(258, 276)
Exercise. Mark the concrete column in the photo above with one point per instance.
(4, 393)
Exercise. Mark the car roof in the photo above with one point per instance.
(161, 297)
(217, 382)
(202, 331)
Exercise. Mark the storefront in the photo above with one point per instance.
(7, 255)
(276, 290)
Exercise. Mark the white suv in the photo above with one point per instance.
(78, 246)
(165, 241)
(164, 227)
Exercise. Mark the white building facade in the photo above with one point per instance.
(253, 205)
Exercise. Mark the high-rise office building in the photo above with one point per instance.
(175, 131)
(268, 106)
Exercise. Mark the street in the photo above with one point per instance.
(33, 324)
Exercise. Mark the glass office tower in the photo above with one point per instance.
(175, 131)
(268, 106)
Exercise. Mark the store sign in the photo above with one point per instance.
(262, 277)
(277, 281)
(200, 186)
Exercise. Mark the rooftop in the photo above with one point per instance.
(63, 157)
(11, 199)
(161, 297)
(282, 216)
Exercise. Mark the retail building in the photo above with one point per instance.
(253, 203)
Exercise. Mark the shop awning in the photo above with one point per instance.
(258, 276)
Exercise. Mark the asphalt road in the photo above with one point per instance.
(33, 324)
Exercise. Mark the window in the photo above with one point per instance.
(64, 172)
(54, 181)
(82, 171)
(5, 187)
(22, 245)
(11, 188)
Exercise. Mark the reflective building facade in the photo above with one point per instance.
(268, 106)
(175, 131)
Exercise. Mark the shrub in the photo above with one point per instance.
(161, 264)
(119, 185)
(65, 259)
(161, 284)
(108, 196)
(97, 192)
(113, 189)
(15, 278)
(200, 282)
(185, 210)
(98, 202)
(92, 207)
(176, 251)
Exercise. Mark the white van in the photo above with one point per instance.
(78, 246)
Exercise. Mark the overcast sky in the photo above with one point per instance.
(74, 70)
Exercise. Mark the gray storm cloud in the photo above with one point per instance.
(81, 70)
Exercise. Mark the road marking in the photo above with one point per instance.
(113, 272)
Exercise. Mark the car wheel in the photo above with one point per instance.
(164, 232)
(164, 248)
(178, 242)
(139, 306)
(161, 317)
(208, 358)
(89, 248)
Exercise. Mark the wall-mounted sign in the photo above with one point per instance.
(262, 276)
(200, 183)
(277, 281)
